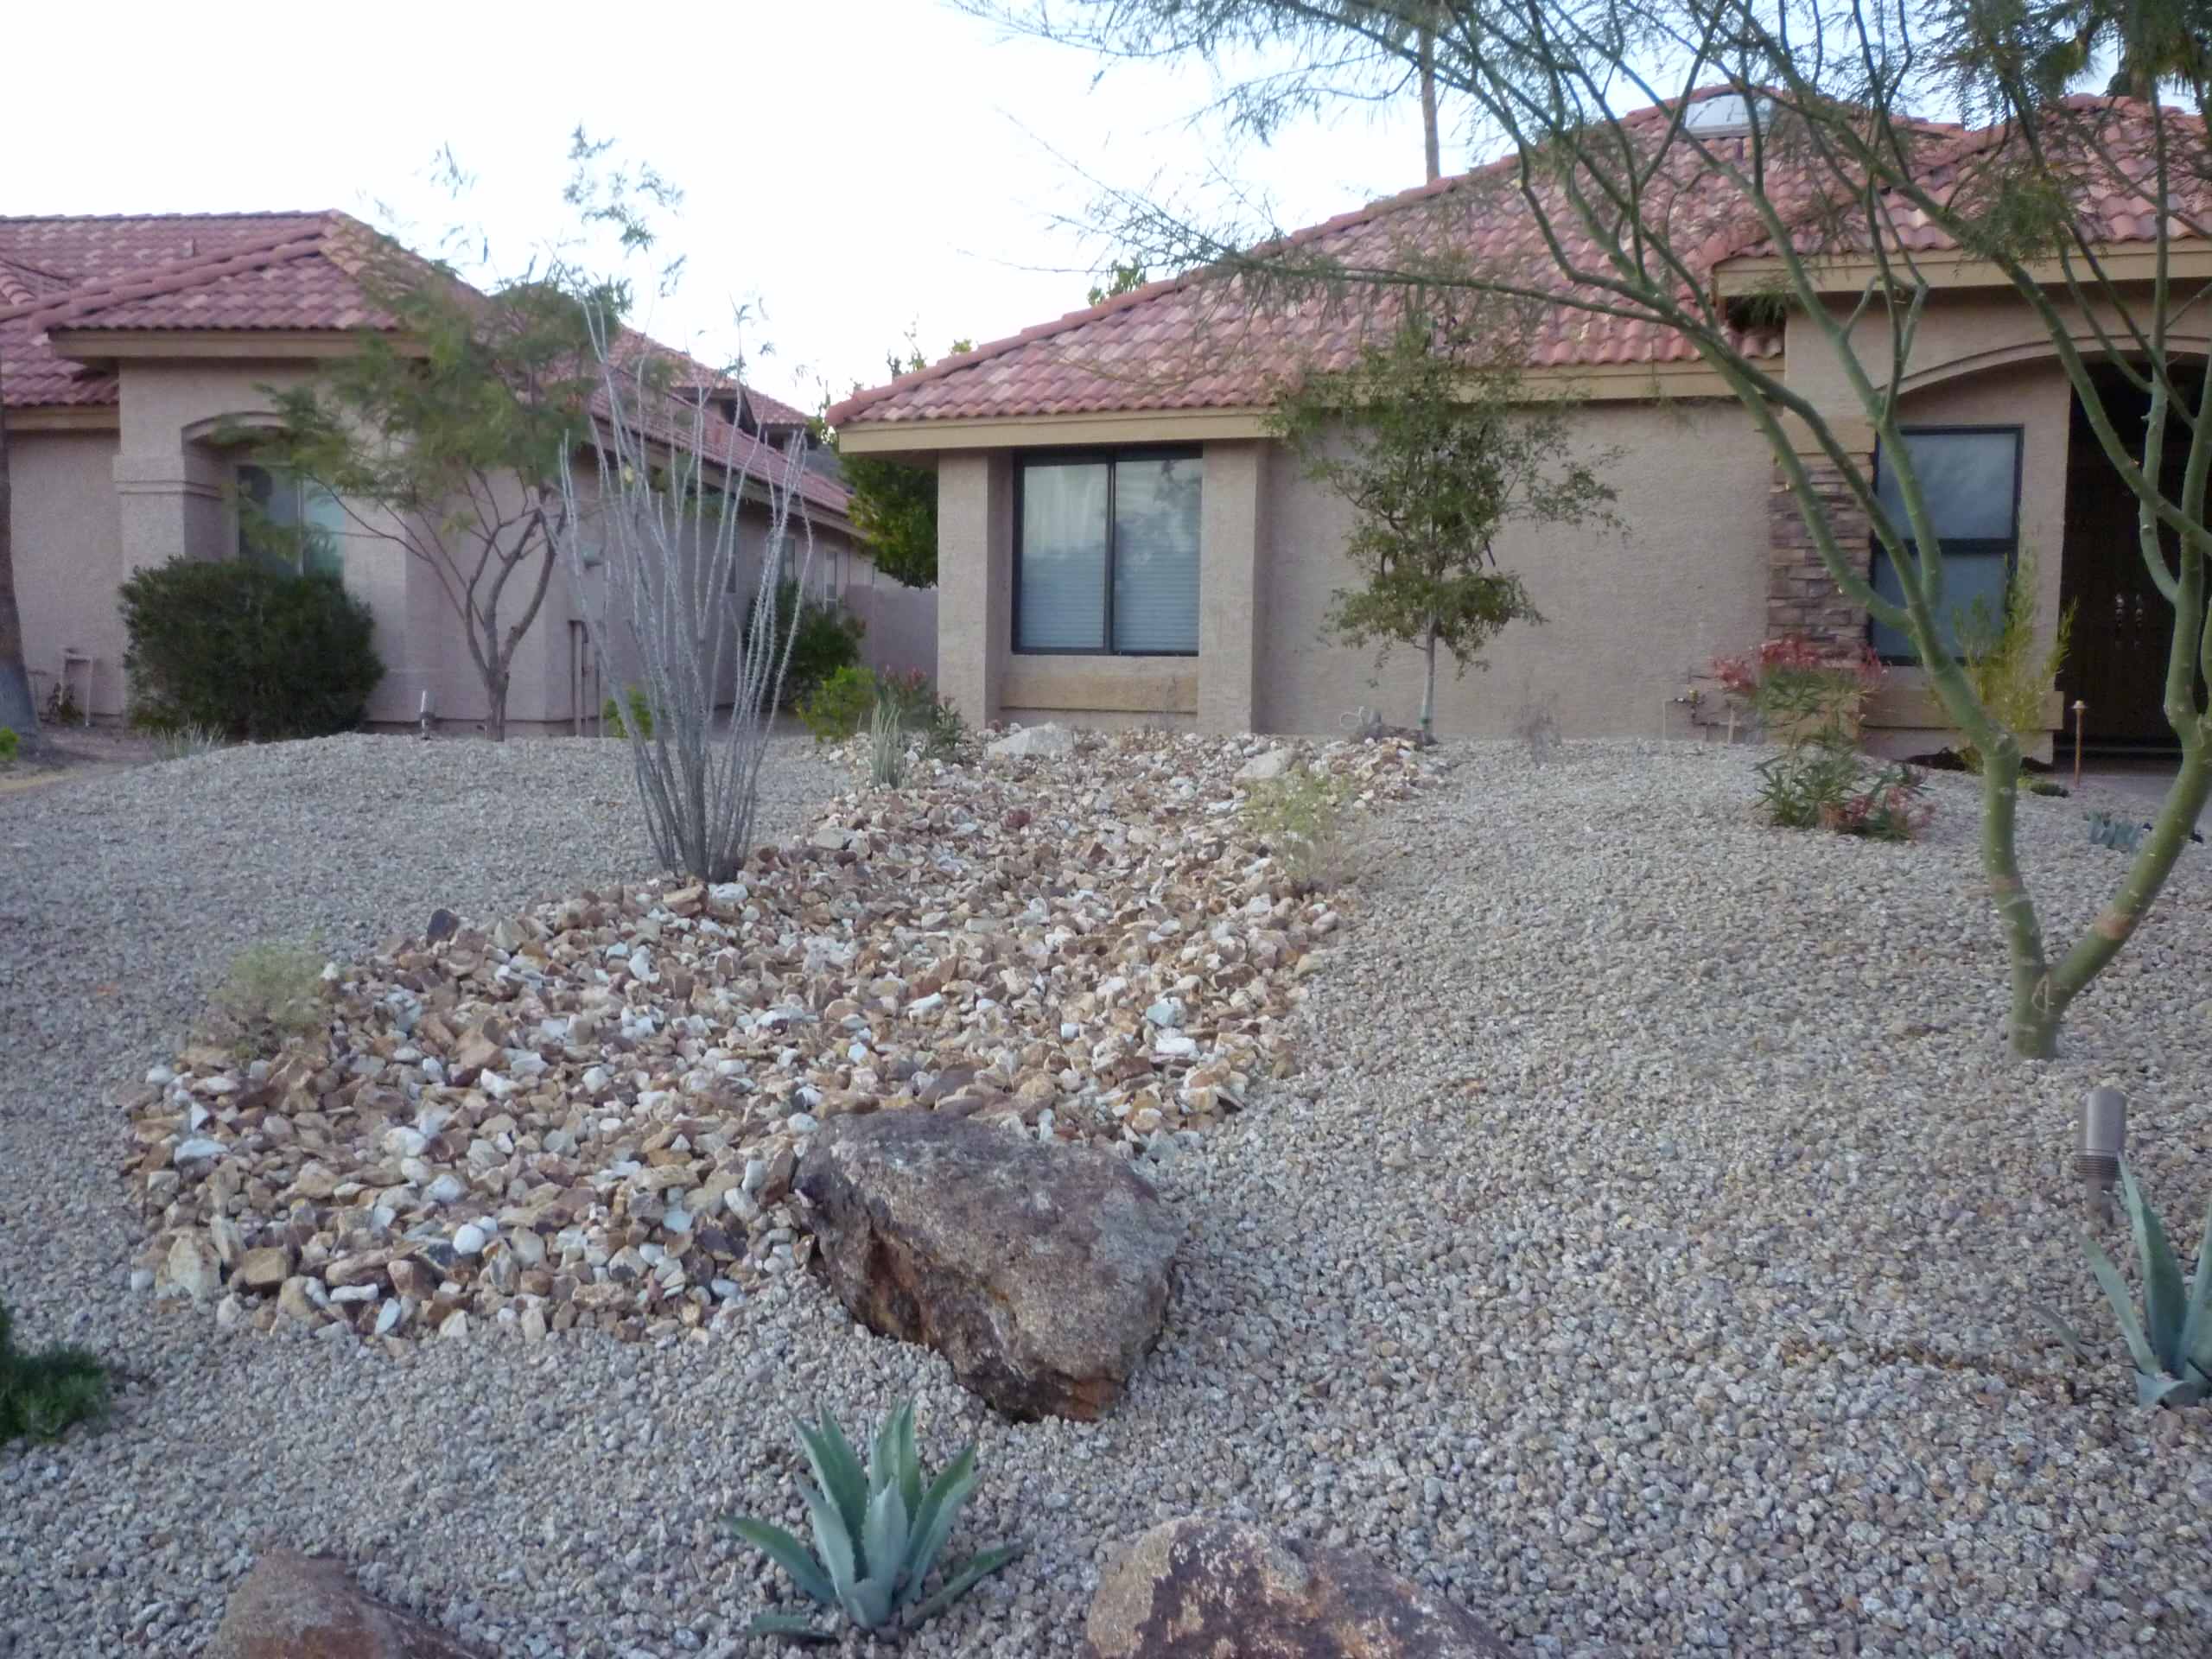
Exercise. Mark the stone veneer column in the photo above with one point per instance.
(974, 581)
(1232, 529)
(1802, 597)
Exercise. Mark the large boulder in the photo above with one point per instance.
(1041, 1271)
(1196, 1589)
(294, 1606)
(1032, 740)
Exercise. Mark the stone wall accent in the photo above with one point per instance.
(1802, 597)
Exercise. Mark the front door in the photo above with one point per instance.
(2122, 623)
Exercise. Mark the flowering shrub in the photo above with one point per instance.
(1810, 697)
(1797, 685)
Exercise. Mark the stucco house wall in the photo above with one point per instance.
(1630, 615)
(68, 554)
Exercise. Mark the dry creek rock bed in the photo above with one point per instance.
(591, 1113)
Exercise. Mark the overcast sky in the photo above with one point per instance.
(851, 168)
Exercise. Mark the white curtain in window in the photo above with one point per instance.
(1156, 554)
(1063, 606)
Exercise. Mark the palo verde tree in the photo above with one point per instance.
(1315, 56)
(894, 505)
(445, 435)
(1433, 439)
(1854, 211)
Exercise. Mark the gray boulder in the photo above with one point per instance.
(1039, 1271)
(1032, 740)
(1195, 1588)
(294, 1606)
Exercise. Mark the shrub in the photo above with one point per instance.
(273, 991)
(948, 737)
(833, 711)
(1825, 784)
(1799, 689)
(827, 637)
(42, 1394)
(247, 652)
(641, 714)
(62, 707)
(880, 1530)
(9, 746)
(1300, 816)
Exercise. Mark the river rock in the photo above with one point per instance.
(1194, 1588)
(1039, 1271)
(294, 1606)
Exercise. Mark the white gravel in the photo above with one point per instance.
(1649, 1251)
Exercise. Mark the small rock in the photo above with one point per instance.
(1032, 741)
(194, 1268)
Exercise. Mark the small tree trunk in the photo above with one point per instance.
(495, 692)
(2032, 1025)
(1432, 151)
(1428, 686)
(18, 708)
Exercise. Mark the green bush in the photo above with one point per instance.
(273, 992)
(834, 710)
(42, 1394)
(9, 744)
(641, 713)
(248, 652)
(1299, 816)
(829, 638)
(1825, 784)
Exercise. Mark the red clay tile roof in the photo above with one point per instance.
(2108, 141)
(293, 272)
(1206, 339)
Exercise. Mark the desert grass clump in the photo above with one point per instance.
(42, 1394)
(886, 738)
(182, 742)
(274, 992)
(1299, 818)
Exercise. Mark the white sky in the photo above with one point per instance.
(851, 168)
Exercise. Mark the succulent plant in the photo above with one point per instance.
(2106, 830)
(887, 745)
(2171, 1343)
(878, 1531)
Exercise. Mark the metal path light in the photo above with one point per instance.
(2097, 1152)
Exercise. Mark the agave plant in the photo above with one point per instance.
(878, 1531)
(2171, 1344)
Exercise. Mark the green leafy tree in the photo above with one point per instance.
(445, 438)
(893, 504)
(1123, 277)
(1432, 440)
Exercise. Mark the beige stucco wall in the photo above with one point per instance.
(92, 506)
(68, 554)
(1629, 615)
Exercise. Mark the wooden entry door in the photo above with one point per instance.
(2122, 623)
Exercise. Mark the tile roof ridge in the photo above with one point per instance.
(146, 282)
(202, 216)
(860, 401)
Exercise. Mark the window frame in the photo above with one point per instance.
(2009, 546)
(284, 478)
(1109, 457)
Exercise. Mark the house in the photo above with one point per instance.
(1121, 541)
(133, 350)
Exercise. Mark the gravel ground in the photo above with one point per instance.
(1649, 1251)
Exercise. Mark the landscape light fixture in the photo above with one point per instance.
(2096, 1154)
